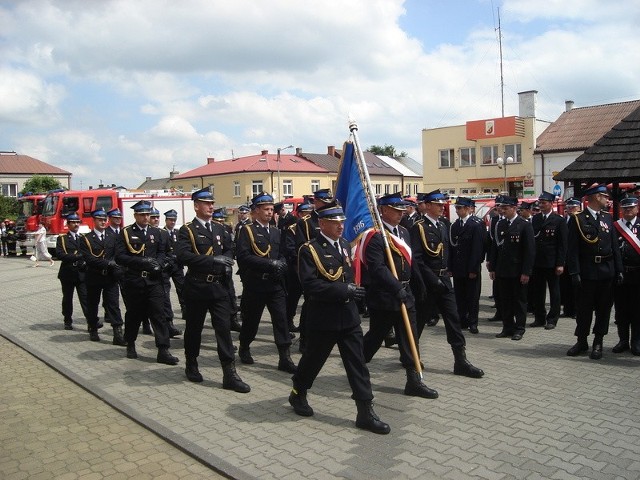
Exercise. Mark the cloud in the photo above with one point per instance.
(27, 99)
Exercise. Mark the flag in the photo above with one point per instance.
(352, 194)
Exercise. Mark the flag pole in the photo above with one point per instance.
(353, 128)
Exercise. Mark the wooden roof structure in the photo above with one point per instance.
(614, 158)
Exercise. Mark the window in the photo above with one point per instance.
(467, 156)
(386, 189)
(105, 203)
(407, 190)
(489, 155)
(256, 187)
(194, 187)
(287, 188)
(446, 158)
(9, 189)
(448, 191)
(236, 189)
(315, 185)
(396, 188)
(378, 188)
(513, 150)
(468, 191)
(415, 189)
(212, 189)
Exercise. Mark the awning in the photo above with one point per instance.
(496, 179)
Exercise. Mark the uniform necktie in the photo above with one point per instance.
(395, 231)
(207, 225)
(629, 225)
(101, 237)
(335, 244)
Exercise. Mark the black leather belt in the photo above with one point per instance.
(206, 277)
(141, 273)
(440, 273)
(631, 269)
(598, 258)
(104, 272)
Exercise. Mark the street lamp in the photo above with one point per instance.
(278, 161)
(502, 164)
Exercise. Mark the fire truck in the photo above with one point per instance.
(29, 208)
(60, 203)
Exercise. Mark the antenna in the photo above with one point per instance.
(501, 74)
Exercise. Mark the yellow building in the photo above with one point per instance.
(485, 157)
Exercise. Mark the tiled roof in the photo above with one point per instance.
(376, 166)
(614, 158)
(328, 162)
(13, 163)
(579, 128)
(401, 166)
(155, 184)
(255, 163)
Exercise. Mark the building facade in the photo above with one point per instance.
(16, 169)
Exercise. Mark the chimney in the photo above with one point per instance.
(264, 152)
(147, 179)
(331, 150)
(527, 103)
(210, 160)
(568, 105)
(298, 151)
(173, 173)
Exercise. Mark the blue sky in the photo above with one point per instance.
(115, 90)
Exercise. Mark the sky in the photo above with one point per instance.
(117, 90)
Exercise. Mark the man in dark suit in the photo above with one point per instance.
(98, 251)
(262, 270)
(411, 215)
(550, 231)
(496, 214)
(72, 268)
(594, 263)
(176, 271)
(430, 247)
(206, 249)
(467, 254)
(627, 317)
(567, 291)
(140, 248)
(328, 281)
(510, 264)
(385, 292)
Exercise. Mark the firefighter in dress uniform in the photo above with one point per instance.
(176, 273)
(594, 263)
(141, 250)
(567, 292)
(626, 316)
(72, 268)
(430, 267)
(219, 216)
(510, 265)
(385, 292)
(328, 281)
(467, 238)
(262, 270)
(550, 231)
(98, 251)
(206, 249)
(113, 229)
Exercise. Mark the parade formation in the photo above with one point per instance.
(435, 269)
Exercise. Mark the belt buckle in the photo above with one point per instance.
(597, 259)
(75, 264)
(442, 272)
(209, 278)
(105, 272)
(265, 276)
(144, 274)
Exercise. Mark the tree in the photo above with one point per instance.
(40, 184)
(8, 207)
(387, 151)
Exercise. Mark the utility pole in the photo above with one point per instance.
(501, 74)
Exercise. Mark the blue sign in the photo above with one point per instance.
(557, 190)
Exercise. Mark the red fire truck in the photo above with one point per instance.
(58, 204)
(29, 208)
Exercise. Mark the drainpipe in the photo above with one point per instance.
(542, 168)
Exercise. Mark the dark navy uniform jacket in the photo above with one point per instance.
(325, 274)
(71, 261)
(255, 250)
(593, 250)
(97, 254)
(467, 246)
(133, 246)
(513, 250)
(551, 240)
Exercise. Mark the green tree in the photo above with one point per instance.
(40, 184)
(387, 151)
(8, 207)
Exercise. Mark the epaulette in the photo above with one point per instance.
(292, 227)
(306, 217)
(418, 221)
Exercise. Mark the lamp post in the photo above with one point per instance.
(503, 164)
(278, 162)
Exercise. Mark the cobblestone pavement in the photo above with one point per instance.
(536, 414)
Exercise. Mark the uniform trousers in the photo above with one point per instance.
(319, 346)
(216, 303)
(512, 304)
(595, 295)
(467, 294)
(142, 303)
(110, 302)
(380, 322)
(252, 306)
(445, 303)
(166, 304)
(543, 278)
(67, 298)
(294, 292)
(567, 294)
